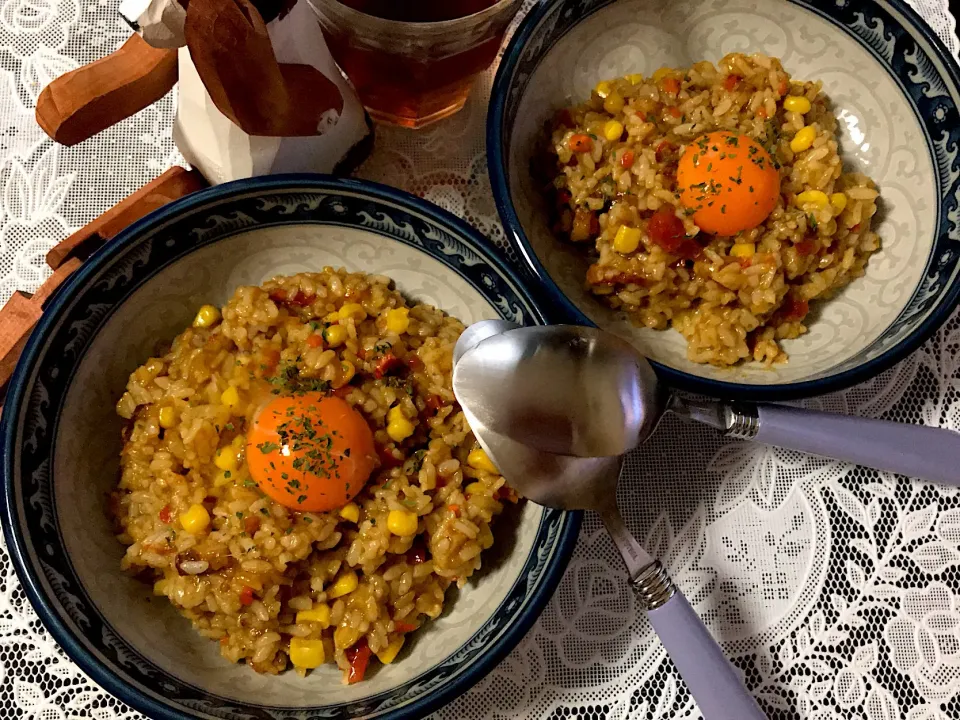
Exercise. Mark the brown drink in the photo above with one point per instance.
(413, 63)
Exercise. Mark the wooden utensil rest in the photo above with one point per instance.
(23, 310)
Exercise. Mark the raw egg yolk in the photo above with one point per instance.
(729, 182)
(310, 452)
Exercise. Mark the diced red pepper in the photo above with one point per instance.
(674, 111)
(386, 365)
(665, 150)
(627, 159)
(670, 85)
(434, 402)
(278, 295)
(455, 509)
(358, 656)
(807, 246)
(302, 299)
(580, 143)
(165, 515)
(855, 228)
(794, 307)
(506, 493)
(246, 595)
(783, 87)
(730, 82)
(666, 229)
(389, 457)
(413, 362)
(762, 112)
(404, 627)
(314, 341)
(342, 392)
(563, 199)
(251, 524)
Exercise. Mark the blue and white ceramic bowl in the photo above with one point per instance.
(894, 87)
(61, 439)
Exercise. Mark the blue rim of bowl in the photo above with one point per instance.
(567, 312)
(12, 530)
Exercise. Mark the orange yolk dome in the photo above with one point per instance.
(310, 452)
(729, 182)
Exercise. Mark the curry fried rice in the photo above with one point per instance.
(268, 582)
(612, 162)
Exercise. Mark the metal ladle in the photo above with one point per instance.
(584, 392)
(583, 483)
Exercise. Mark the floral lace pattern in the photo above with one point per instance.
(836, 589)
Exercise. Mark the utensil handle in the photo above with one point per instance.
(22, 312)
(927, 453)
(82, 102)
(711, 679)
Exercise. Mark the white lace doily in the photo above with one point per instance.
(835, 588)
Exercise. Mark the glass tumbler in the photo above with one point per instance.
(407, 71)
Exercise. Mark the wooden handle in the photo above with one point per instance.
(23, 310)
(234, 56)
(85, 101)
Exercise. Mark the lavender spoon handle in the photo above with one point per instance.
(711, 679)
(927, 453)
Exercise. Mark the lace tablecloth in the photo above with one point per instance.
(835, 588)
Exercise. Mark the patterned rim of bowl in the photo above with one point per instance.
(31, 524)
(882, 29)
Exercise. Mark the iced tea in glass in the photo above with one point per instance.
(413, 61)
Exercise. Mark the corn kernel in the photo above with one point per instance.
(226, 458)
(318, 614)
(813, 197)
(345, 584)
(614, 103)
(603, 88)
(350, 512)
(306, 654)
(230, 397)
(335, 335)
(661, 74)
(398, 427)
(635, 78)
(613, 130)
(207, 316)
(347, 371)
(797, 104)
(390, 652)
(168, 417)
(803, 139)
(479, 460)
(627, 239)
(402, 522)
(352, 310)
(743, 250)
(196, 519)
(398, 320)
(224, 477)
(473, 488)
(838, 200)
